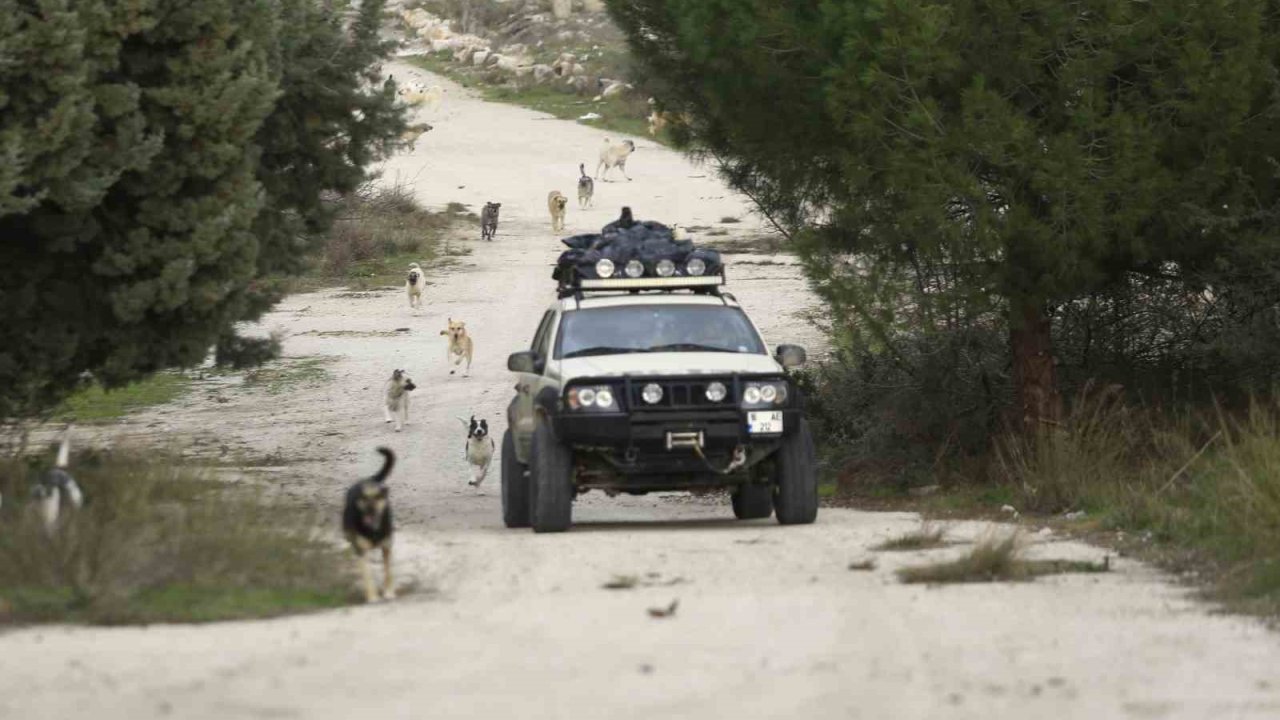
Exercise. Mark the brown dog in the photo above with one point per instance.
(460, 345)
(368, 525)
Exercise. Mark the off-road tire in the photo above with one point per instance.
(550, 482)
(796, 501)
(753, 501)
(515, 485)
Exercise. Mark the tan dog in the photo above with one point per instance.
(556, 202)
(414, 284)
(614, 156)
(460, 345)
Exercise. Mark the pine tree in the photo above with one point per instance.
(159, 156)
(1018, 155)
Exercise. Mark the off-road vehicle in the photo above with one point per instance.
(645, 375)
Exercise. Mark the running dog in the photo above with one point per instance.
(479, 450)
(614, 156)
(368, 525)
(397, 398)
(586, 188)
(56, 493)
(413, 132)
(460, 345)
(414, 285)
(556, 202)
(489, 220)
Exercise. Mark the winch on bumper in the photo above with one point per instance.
(665, 432)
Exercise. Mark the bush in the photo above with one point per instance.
(158, 540)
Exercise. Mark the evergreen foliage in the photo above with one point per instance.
(159, 158)
(946, 165)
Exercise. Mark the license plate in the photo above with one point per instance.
(764, 422)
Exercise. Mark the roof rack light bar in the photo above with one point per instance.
(642, 283)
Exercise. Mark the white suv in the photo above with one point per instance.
(643, 384)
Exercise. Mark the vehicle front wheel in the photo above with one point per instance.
(753, 501)
(550, 482)
(515, 485)
(796, 501)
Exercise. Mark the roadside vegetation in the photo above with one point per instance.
(627, 113)
(995, 558)
(161, 541)
(93, 404)
(1055, 306)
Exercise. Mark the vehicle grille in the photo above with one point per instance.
(681, 394)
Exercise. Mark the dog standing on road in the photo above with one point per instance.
(368, 525)
(489, 220)
(414, 285)
(397, 398)
(460, 345)
(586, 188)
(556, 202)
(614, 156)
(479, 450)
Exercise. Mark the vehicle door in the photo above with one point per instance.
(526, 389)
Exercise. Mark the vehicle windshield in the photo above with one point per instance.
(656, 328)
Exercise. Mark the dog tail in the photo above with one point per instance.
(64, 450)
(388, 462)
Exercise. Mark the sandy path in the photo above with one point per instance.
(770, 622)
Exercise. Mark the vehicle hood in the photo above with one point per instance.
(669, 363)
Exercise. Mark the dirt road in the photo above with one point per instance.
(770, 621)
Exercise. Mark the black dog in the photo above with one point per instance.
(489, 220)
(368, 525)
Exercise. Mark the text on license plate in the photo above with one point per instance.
(764, 422)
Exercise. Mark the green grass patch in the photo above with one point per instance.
(289, 374)
(95, 404)
(161, 541)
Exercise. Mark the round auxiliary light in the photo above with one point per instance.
(751, 395)
(716, 392)
(587, 397)
(666, 268)
(782, 394)
(768, 393)
(652, 393)
(695, 267)
(604, 398)
(634, 268)
(604, 268)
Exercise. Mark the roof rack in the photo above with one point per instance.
(578, 286)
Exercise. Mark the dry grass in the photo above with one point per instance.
(158, 541)
(994, 559)
(926, 537)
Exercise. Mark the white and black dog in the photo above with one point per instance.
(479, 450)
(56, 493)
(368, 525)
(414, 284)
(397, 398)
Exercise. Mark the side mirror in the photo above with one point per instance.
(526, 361)
(791, 356)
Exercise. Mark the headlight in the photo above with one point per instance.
(765, 393)
(604, 268)
(599, 397)
(634, 268)
(666, 268)
(716, 392)
(695, 267)
(652, 393)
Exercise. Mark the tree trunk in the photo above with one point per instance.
(1035, 379)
